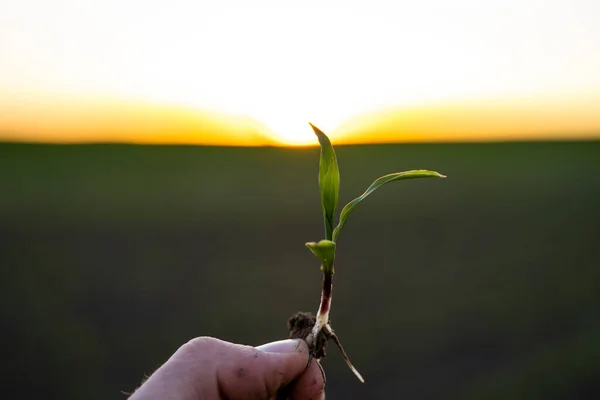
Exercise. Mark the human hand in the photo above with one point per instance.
(207, 368)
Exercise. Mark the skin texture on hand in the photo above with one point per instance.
(206, 368)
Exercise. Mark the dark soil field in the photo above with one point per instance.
(485, 285)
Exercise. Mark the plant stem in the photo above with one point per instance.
(322, 323)
(326, 295)
(322, 318)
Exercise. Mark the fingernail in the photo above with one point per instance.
(281, 346)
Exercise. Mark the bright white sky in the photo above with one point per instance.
(315, 61)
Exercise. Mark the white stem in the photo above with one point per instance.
(321, 322)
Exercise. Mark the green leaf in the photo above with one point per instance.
(420, 173)
(325, 251)
(329, 180)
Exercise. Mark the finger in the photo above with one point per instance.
(258, 373)
(309, 385)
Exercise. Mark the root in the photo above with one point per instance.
(300, 326)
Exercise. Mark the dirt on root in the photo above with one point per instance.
(300, 325)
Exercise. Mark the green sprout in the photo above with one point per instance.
(324, 250)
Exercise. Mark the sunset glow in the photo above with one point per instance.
(238, 73)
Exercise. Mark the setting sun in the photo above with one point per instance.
(283, 66)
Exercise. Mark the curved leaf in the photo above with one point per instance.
(325, 251)
(329, 180)
(420, 173)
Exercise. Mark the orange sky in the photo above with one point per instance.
(95, 120)
(105, 120)
(484, 120)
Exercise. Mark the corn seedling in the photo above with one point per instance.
(316, 331)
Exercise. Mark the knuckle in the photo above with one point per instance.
(199, 343)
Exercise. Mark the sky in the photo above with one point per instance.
(266, 68)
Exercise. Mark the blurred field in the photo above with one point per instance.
(485, 285)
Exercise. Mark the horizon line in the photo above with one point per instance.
(96, 120)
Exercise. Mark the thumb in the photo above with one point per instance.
(262, 371)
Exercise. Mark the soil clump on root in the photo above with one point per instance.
(300, 326)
